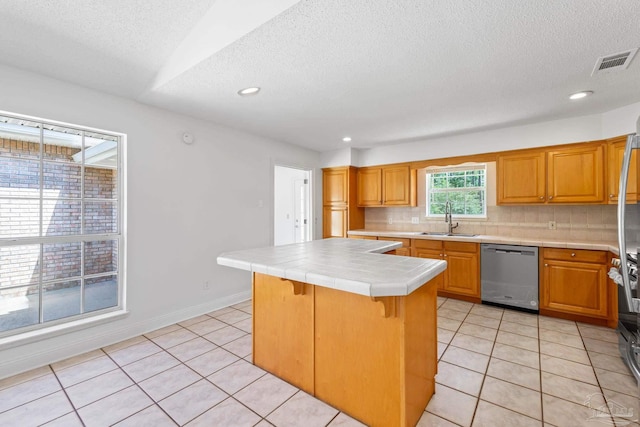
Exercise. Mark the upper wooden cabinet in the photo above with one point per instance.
(521, 178)
(370, 187)
(335, 186)
(576, 175)
(567, 175)
(615, 155)
(386, 186)
(340, 213)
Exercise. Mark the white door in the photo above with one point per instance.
(292, 205)
(301, 210)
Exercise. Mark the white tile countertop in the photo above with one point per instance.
(547, 243)
(351, 265)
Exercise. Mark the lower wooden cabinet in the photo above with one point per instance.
(574, 284)
(461, 279)
(405, 250)
(334, 221)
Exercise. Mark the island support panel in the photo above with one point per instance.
(373, 358)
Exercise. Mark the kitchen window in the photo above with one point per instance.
(463, 186)
(61, 241)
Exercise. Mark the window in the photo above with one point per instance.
(60, 224)
(463, 186)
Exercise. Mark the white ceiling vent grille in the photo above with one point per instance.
(616, 62)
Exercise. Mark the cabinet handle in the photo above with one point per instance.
(611, 196)
(541, 197)
(441, 255)
(546, 265)
(445, 255)
(573, 254)
(550, 197)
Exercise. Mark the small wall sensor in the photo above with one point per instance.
(187, 138)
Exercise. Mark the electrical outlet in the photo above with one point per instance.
(552, 225)
(389, 220)
(205, 285)
(415, 220)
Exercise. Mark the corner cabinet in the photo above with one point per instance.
(574, 285)
(386, 186)
(339, 211)
(461, 279)
(574, 175)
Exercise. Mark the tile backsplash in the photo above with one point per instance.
(590, 223)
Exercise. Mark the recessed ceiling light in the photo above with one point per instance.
(248, 91)
(346, 139)
(580, 95)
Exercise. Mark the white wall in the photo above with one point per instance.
(284, 209)
(564, 131)
(186, 205)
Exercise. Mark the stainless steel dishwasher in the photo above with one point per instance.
(509, 275)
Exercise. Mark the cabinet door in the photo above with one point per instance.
(576, 175)
(334, 222)
(462, 275)
(615, 155)
(521, 178)
(432, 254)
(370, 187)
(335, 186)
(396, 186)
(574, 287)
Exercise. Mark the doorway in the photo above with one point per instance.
(292, 205)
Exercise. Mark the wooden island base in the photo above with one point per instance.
(372, 358)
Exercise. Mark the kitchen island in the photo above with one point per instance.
(347, 324)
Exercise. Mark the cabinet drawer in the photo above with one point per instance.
(580, 255)
(406, 243)
(460, 246)
(427, 244)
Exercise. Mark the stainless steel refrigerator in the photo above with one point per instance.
(627, 275)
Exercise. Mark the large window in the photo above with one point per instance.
(60, 224)
(464, 187)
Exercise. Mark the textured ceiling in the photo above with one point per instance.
(381, 71)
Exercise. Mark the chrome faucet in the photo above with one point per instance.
(447, 217)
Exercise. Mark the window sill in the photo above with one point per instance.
(63, 328)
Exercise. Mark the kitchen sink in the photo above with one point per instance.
(439, 233)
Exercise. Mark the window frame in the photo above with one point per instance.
(43, 328)
(459, 168)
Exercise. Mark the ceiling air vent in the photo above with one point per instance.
(615, 62)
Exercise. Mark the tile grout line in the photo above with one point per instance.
(64, 390)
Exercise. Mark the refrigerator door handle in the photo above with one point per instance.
(633, 305)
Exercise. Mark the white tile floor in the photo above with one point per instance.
(496, 368)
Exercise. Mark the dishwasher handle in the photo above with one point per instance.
(508, 251)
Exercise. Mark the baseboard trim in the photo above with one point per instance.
(62, 348)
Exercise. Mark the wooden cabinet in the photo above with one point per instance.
(364, 237)
(334, 221)
(461, 279)
(615, 155)
(339, 211)
(405, 250)
(576, 175)
(370, 187)
(521, 178)
(386, 186)
(567, 175)
(574, 284)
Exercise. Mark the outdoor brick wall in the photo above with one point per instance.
(62, 189)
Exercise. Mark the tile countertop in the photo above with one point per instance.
(547, 243)
(351, 265)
